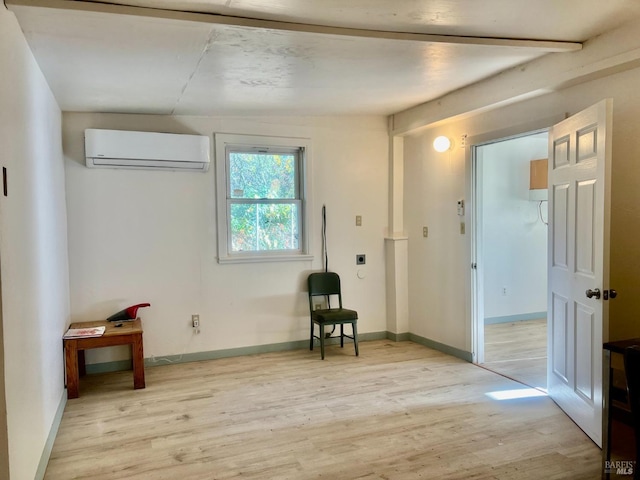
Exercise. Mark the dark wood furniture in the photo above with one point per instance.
(128, 333)
(632, 374)
(616, 406)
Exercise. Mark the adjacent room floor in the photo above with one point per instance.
(399, 411)
(518, 350)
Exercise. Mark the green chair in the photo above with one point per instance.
(327, 284)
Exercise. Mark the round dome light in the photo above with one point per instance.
(441, 144)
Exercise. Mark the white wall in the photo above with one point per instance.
(514, 238)
(434, 182)
(138, 236)
(439, 266)
(33, 249)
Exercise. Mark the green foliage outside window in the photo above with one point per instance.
(264, 201)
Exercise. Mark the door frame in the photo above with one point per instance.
(475, 280)
(4, 433)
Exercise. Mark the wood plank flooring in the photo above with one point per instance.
(518, 350)
(400, 411)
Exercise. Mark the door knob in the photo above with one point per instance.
(593, 293)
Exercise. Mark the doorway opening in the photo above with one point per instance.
(511, 237)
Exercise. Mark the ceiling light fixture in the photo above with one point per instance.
(442, 144)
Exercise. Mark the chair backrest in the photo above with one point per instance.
(324, 283)
(632, 373)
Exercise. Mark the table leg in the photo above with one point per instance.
(71, 365)
(82, 367)
(138, 361)
(607, 377)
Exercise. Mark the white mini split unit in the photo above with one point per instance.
(146, 150)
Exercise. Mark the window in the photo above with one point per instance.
(262, 198)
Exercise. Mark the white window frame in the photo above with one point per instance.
(222, 142)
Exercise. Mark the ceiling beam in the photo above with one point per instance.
(613, 52)
(218, 19)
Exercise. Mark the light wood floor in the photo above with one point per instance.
(399, 411)
(518, 350)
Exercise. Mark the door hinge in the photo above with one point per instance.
(474, 266)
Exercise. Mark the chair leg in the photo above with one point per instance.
(342, 335)
(636, 472)
(321, 341)
(311, 337)
(355, 337)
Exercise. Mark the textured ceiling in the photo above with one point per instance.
(110, 59)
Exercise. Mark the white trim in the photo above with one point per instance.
(475, 302)
(265, 258)
(221, 141)
(475, 246)
(394, 239)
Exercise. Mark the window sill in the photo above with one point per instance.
(265, 258)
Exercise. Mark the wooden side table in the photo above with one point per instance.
(130, 333)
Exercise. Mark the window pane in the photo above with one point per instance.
(264, 226)
(262, 175)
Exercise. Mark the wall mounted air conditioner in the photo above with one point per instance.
(146, 150)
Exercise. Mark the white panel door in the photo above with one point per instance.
(579, 163)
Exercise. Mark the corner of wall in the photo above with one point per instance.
(53, 432)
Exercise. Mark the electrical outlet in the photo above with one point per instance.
(358, 220)
(318, 306)
(504, 291)
(195, 321)
(425, 232)
(462, 229)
